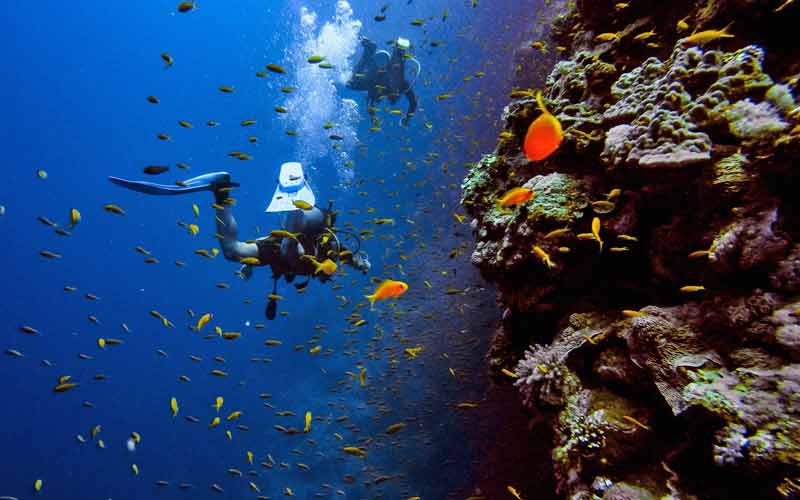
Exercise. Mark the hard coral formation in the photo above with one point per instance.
(684, 154)
(664, 112)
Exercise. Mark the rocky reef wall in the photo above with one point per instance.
(664, 354)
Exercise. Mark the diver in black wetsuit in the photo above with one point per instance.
(384, 76)
(314, 238)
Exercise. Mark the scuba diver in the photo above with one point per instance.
(386, 76)
(307, 244)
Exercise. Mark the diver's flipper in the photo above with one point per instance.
(206, 182)
(272, 309)
(292, 186)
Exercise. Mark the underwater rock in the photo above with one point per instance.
(750, 241)
(624, 491)
(505, 237)
(760, 407)
(593, 436)
(787, 332)
(786, 277)
(687, 153)
(664, 346)
(614, 366)
(501, 348)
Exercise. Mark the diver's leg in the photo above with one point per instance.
(272, 304)
(231, 247)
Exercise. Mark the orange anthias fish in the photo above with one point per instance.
(515, 196)
(544, 134)
(387, 290)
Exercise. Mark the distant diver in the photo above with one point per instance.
(386, 76)
(307, 244)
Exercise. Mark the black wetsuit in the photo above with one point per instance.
(382, 83)
(269, 253)
(288, 263)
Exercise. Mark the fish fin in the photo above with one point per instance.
(726, 28)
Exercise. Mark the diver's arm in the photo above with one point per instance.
(412, 105)
(233, 249)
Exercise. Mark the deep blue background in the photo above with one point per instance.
(75, 79)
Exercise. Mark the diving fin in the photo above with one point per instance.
(205, 182)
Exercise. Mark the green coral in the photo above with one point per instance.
(479, 179)
(560, 198)
(755, 121)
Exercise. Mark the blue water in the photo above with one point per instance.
(76, 78)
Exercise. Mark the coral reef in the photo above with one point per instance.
(666, 359)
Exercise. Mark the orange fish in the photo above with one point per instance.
(544, 134)
(515, 196)
(387, 290)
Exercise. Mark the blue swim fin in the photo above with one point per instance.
(205, 182)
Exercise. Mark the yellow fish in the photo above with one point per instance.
(557, 232)
(196, 210)
(218, 403)
(707, 36)
(355, 451)
(412, 351)
(307, 427)
(514, 492)
(204, 319)
(327, 266)
(173, 404)
(596, 232)
(280, 233)
(362, 377)
(214, 422)
(537, 250)
(114, 209)
(74, 218)
(302, 205)
(607, 37)
(250, 457)
(233, 416)
(395, 428)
